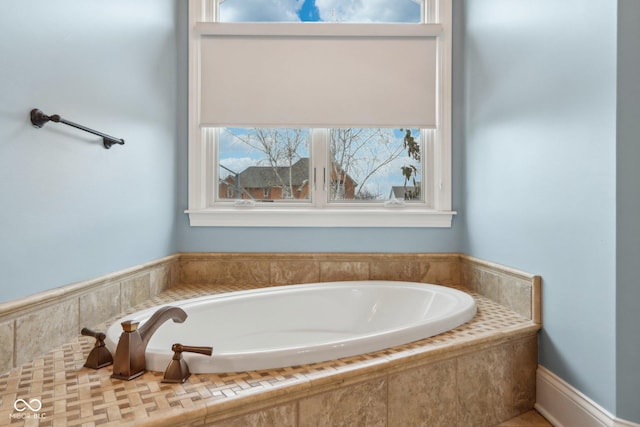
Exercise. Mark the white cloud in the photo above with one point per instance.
(260, 10)
(236, 164)
(369, 10)
(330, 10)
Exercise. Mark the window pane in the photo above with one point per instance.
(369, 11)
(375, 164)
(321, 11)
(259, 11)
(263, 164)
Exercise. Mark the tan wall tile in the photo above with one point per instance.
(525, 363)
(294, 272)
(6, 346)
(214, 271)
(198, 271)
(485, 390)
(333, 271)
(456, 270)
(134, 291)
(175, 274)
(411, 270)
(362, 404)
(424, 396)
(279, 416)
(471, 277)
(428, 268)
(512, 288)
(506, 290)
(42, 330)
(100, 305)
(516, 294)
(442, 273)
(489, 285)
(160, 279)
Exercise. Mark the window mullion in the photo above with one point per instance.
(212, 10)
(428, 137)
(430, 12)
(320, 166)
(210, 141)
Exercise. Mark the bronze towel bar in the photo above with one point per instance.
(38, 119)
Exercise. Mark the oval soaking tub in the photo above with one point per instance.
(299, 324)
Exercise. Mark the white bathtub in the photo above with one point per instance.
(298, 324)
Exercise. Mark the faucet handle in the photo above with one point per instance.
(99, 356)
(178, 370)
(191, 349)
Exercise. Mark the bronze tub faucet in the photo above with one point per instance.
(129, 360)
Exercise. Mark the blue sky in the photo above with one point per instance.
(309, 11)
(320, 10)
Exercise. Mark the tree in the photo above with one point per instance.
(360, 153)
(281, 147)
(410, 171)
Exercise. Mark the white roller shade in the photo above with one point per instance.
(318, 75)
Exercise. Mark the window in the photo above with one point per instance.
(320, 124)
(375, 164)
(263, 165)
(355, 164)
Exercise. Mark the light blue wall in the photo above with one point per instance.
(540, 169)
(315, 240)
(72, 210)
(628, 211)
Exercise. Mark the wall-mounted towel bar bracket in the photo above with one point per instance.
(39, 119)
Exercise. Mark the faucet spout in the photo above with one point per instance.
(129, 360)
(158, 318)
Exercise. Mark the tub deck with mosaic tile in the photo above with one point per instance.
(480, 373)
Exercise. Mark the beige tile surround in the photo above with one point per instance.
(34, 325)
(512, 288)
(471, 376)
(519, 291)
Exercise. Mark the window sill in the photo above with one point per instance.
(405, 217)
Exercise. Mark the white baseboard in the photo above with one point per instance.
(564, 406)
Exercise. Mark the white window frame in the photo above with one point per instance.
(203, 210)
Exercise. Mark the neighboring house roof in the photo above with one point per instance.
(266, 177)
(398, 191)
